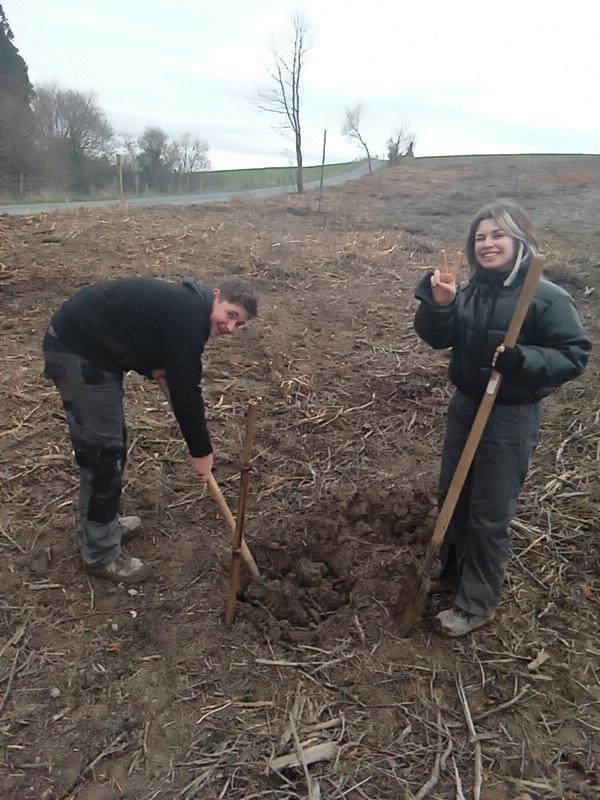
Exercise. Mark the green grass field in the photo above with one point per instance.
(262, 178)
(214, 181)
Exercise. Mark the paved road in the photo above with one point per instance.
(189, 199)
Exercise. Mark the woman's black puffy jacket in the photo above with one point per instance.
(553, 342)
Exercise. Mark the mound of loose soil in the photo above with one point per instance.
(108, 692)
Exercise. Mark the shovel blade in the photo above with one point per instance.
(410, 603)
(412, 597)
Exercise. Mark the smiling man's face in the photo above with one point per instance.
(226, 317)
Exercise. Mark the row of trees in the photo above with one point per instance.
(59, 141)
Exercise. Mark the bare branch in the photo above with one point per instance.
(350, 130)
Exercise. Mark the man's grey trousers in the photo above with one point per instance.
(92, 399)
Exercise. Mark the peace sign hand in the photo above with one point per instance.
(443, 282)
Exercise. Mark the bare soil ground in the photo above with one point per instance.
(108, 692)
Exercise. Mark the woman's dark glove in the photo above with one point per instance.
(509, 362)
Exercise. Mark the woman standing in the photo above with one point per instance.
(472, 318)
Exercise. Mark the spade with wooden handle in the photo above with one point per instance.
(219, 499)
(238, 538)
(413, 595)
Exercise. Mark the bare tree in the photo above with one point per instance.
(351, 130)
(74, 138)
(401, 144)
(161, 163)
(192, 155)
(284, 96)
(127, 147)
(156, 158)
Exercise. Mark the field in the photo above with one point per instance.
(110, 693)
(209, 182)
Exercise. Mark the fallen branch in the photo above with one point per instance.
(473, 738)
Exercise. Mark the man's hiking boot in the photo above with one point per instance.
(130, 527)
(124, 570)
(455, 622)
(440, 586)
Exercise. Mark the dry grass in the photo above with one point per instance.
(144, 694)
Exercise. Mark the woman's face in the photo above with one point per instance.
(494, 248)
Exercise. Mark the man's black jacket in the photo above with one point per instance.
(144, 324)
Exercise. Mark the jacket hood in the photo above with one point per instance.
(202, 289)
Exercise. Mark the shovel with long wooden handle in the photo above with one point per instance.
(413, 595)
(219, 499)
(238, 538)
(231, 524)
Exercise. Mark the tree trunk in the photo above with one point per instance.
(299, 176)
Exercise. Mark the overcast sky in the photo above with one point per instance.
(518, 76)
